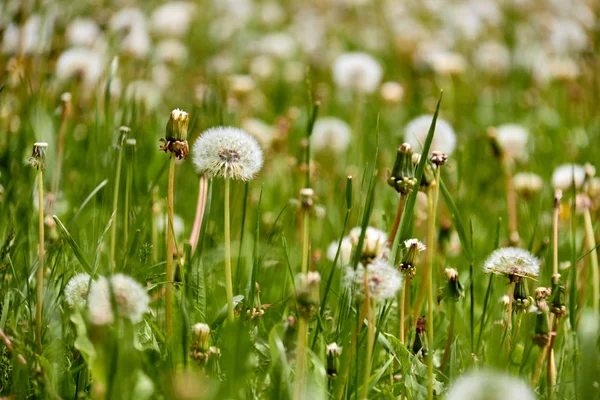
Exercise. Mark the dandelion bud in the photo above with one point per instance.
(420, 337)
(333, 355)
(307, 198)
(307, 294)
(438, 158)
(557, 304)
(38, 156)
(176, 134)
(541, 295)
(428, 178)
(541, 335)
(413, 247)
(201, 334)
(403, 175)
(453, 290)
(521, 296)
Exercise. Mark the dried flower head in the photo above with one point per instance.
(176, 134)
(130, 298)
(227, 152)
(413, 247)
(330, 134)
(76, 291)
(513, 262)
(444, 139)
(383, 280)
(38, 156)
(201, 332)
(489, 386)
(438, 158)
(359, 72)
(333, 354)
(565, 175)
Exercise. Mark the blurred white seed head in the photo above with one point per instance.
(258, 128)
(444, 138)
(279, 45)
(127, 19)
(130, 297)
(76, 291)
(358, 72)
(171, 51)
(512, 139)
(528, 183)
(330, 134)
(80, 63)
(227, 152)
(489, 386)
(565, 175)
(493, 58)
(392, 92)
(512, 262)
(146, 93)
(345, 251)
(415, 244)
(173, 19)
(383, 280)
(82, 32)
(374, 244)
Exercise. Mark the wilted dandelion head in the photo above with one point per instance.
(565, 175)
(330, 134)
(444, 139)
(513, 262)
(130, 298)
(512, 139)
(227, 152)
(489, 386)
(374, 243)
(359, 72)
(76, 291)
(383, 280)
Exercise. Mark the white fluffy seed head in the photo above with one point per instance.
(444, 138)
(383, 280)
(374, 243)
(513, 262)
(512, 139)
(82, 63)
(227, 152)
(528, 183)
(345, 251)
(415, 243)
(358, 72)
(564, 176)
(489, 386)
(330, 134)
(76, 291)
(130, 297)
(172, 19)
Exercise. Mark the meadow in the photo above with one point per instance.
(334, 199)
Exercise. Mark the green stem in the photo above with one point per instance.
(113, 231)
(403, 306)
(370, 343)
(305, 240)
(432, 197)
(40, 271)
(128, 180)
(170, 245)
(591, 245)
(228, 279)
(300, 359)
(450, 335)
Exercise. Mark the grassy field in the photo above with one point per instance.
(306, 250)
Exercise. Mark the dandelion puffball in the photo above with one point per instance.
(357, 71)
(80, 63)
(489, 386)
(444, 139)
(76, 291)
(528, 183)
(130, 297)
(512, 262)
(512, 139)
(565, 175)
(330, 134)
(227, 152)
(172, 19)
(383, 280)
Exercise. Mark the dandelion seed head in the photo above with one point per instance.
(512, 139)
(528, 183)
(80, 63)
(330, 134)
(374, 243)
(130, 297)
(76, 291)
(444, 139)
(82, 32)
(227, 152)
(513, 262)
(172, 19)
(358, 72)
(345, 251)
(415, 244)
(564, 176)
(383, 280)
(483, 385)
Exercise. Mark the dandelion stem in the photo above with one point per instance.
(511, 204)
(551, 366)
(40, 271)
(228, 279)
(450, 335)
(370, 338)
(128, 180)
(154, 227)
(432, 197)
(170, 245)
(403, 306)
(509, 308)
(591, 245)
(113, 228)
(305, 240)
(200, 207)
(300, 359)
(539, 365)
(396, 222)
(61, 145)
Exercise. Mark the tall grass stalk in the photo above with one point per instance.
(170, 247)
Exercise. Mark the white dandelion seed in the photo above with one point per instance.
(489, 386)
(359, 72)
(374, 244)
(130, 297)
(227, 152)
(444, 139)
(565, 175)
(383, 280)
(415, 244)
(172, 19)
(330, 134)
(528, 183)
(512, 139)
(345, 251)
(76, 291)
(512, 262)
